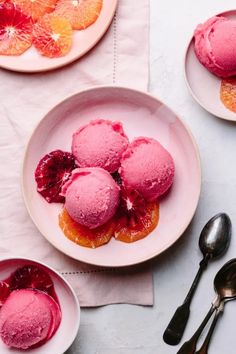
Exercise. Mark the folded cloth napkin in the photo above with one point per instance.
(121, 58)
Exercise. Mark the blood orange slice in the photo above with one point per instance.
(228, 93)
(84, 236)
(4, 292)
(32, 277)
(52, 172)
(52, 36)
(136, 218)
(15, 30)
(36, 8)
(80, 13)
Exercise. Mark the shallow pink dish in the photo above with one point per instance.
(204, 86)
(70, 309)
(83, 41)
(141, 115)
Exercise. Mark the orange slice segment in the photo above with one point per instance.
(36, 8)
(80, 13)
(52, 36)
(228, 93)
(84, 236)
(134, 229)
(15, 30)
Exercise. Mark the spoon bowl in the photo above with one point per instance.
(215, 236)
(225, 281)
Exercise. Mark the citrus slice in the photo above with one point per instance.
(4, 292)
(84, 236)
(52, 36)
(228, 93)
(51, 173)
(136, 218)
(36, 8)
(80, 13)
(15, 30)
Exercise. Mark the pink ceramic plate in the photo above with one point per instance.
(83, 41)
(204, 86)
(69, 326)
(141, 114)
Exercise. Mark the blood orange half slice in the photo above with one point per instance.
(82, 235)
(228, 93)
(52, 36)
(52, 171)
(36, 8)
(4, 292)
(15, 30)
(33, 277)
(136, 218)
(80, 13)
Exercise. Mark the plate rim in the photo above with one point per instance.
(166, 246)
(61, 65)
(223, 117)
(76, 300)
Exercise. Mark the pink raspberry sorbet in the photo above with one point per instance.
(147, 167)
(92, 196)
(100, 143)
(215, 46)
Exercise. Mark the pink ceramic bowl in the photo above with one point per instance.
(69, 303)
(141, 115)
(204, 86)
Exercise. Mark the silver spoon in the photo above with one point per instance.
(225, 287)
(206, 343)
(213, 242)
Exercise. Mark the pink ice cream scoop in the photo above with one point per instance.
(147, 167)
(215, 45)
(92, 196)
(28, 318)
(100, 143)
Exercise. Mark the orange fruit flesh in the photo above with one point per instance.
(116, 227)
(36, 8)
(228, 93)
(126, 232)
(80, 13)
(15, 30)
(84, 236)
(52, 36)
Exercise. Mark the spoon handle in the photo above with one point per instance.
(189, 347)
(205, 345)
(175, 329)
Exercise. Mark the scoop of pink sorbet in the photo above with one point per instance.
(147, 167)
(92, 196)
(28, 318)
(215, 45)
(100, 143)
